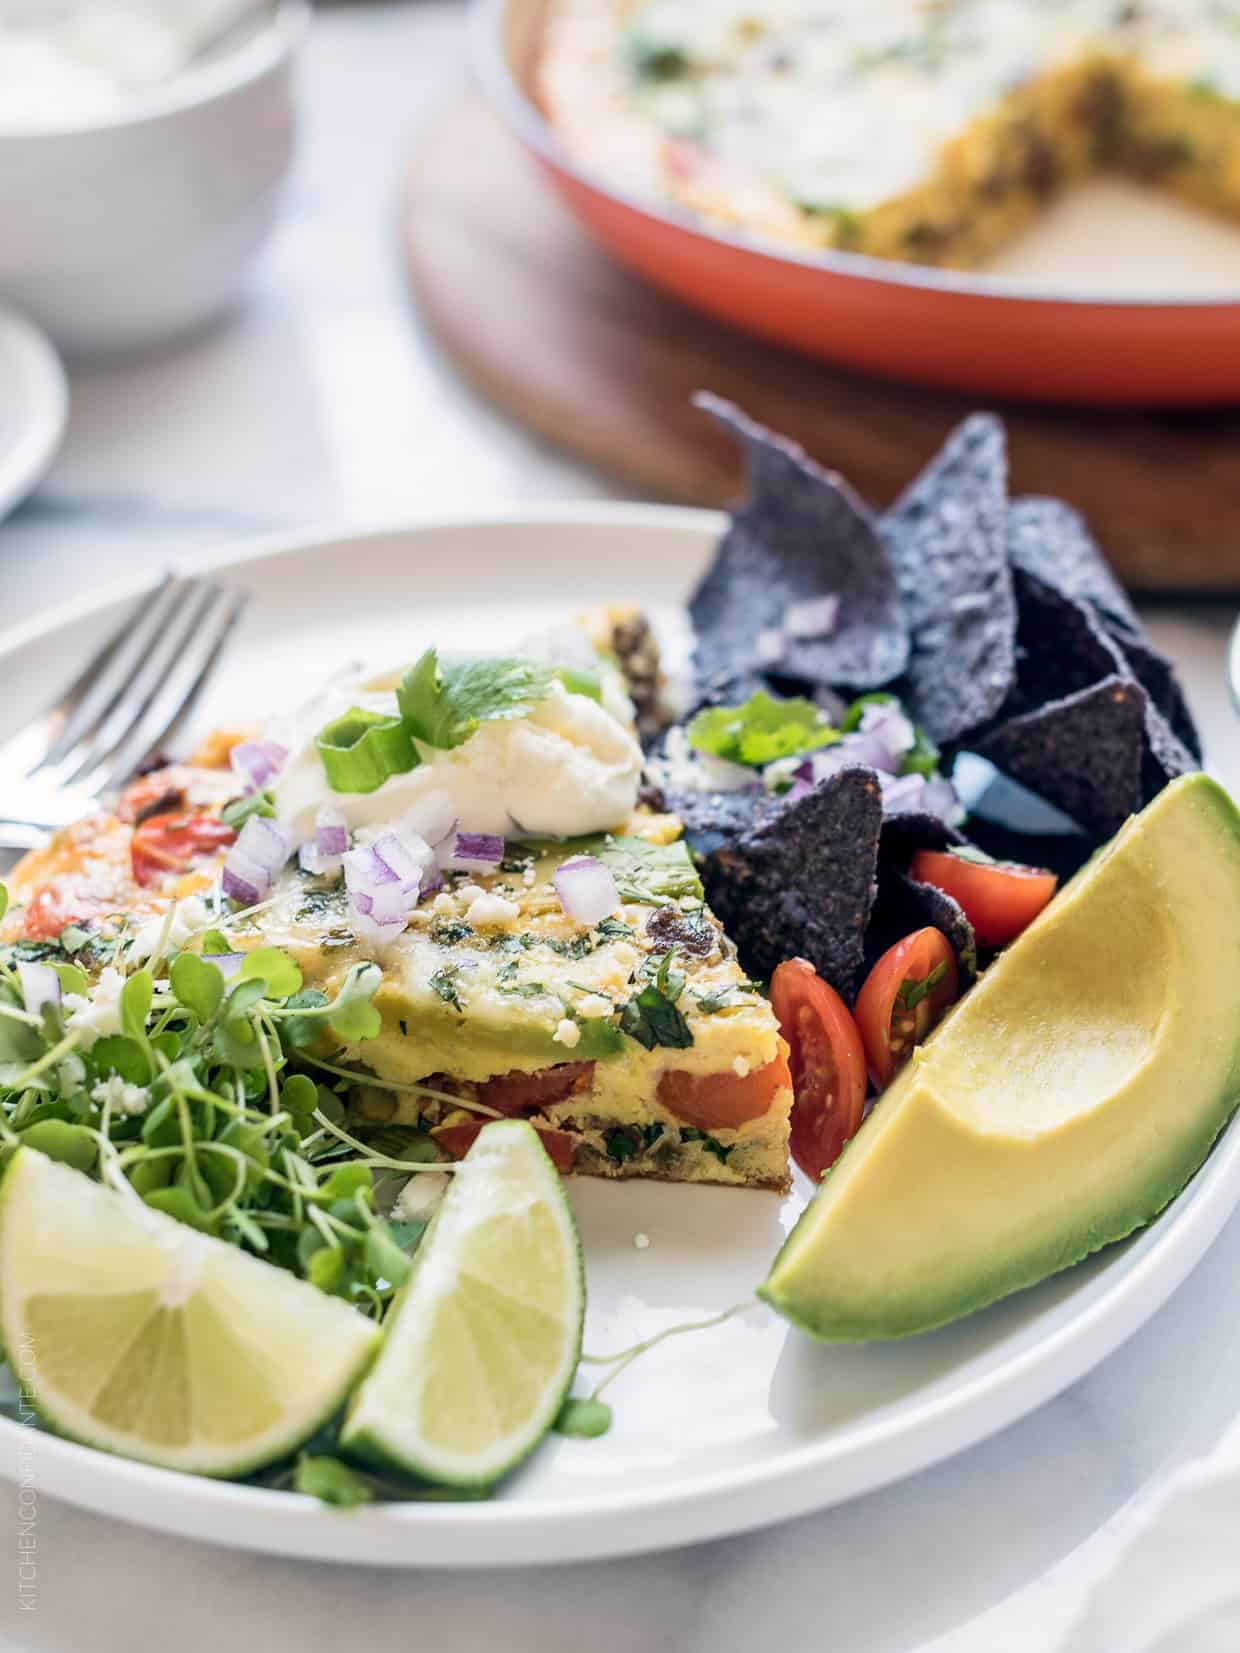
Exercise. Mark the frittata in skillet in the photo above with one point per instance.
(922, 130)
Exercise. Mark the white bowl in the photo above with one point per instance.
(128, 229)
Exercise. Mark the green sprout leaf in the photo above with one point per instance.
(584, 1417)
(197, 985)
(136, 996)
(352, 1014)
(273, 967)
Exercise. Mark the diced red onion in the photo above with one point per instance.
(902, 793)
(310, 858)
(869, 748)
(40, 986)
(433, 817)
(384, 881)
(331, 831)
(888, 725)
(243, 879)
(586, 889)
(821, 765)
(266, 843)
(769, 648)
(409, 858)
(226, 963)
(471, 852)
(815, 617)
(799, 789)
(941, 798)
(256, 763)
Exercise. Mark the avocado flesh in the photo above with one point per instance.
(1067, 1099)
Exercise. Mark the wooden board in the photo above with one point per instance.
(602, 365)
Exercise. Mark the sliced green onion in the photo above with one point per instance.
(360, 750)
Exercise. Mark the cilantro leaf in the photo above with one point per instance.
(651, 1016)
(443, 984)
(648, 874)
(761, 730)
(444, 701)
(910, 993)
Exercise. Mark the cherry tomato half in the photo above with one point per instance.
(457, 1140)
(722, 1101)
(520, 1093)
(1000, 898)
(171, 843)
(827, 1062)
(904, 996)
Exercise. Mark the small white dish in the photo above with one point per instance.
(715, 1432)
(34, 405)
(132, 227)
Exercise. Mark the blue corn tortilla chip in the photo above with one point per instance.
(1049, 539)
(1157, 676)
(1049, 543)
(802, 534)
(1083, 753)
(1061, 646)
(904, 905)
(802, 881)
(947, 536)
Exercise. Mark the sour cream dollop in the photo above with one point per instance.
(569, 768)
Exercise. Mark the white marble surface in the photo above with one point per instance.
(322, 400)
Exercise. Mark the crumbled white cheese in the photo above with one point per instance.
(121, 1097)
(567, 1034)
(168, 932)
(492, 909)
(96, 1014)
(418, 1199)
(596, 1005)
(641, 1242)
(527, 878)
(740, 1067)
(444, 904)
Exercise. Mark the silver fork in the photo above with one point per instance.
(130, 699)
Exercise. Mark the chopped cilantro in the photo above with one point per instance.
(652, 1016)
(761, 730)
(720, 998)
(910, 993)
(447, 932)
(443, 701)
(612, 929)
(442, 982)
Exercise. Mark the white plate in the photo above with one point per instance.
(34, 404)
(714, 1432)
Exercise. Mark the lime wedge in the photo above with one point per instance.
(483, 1340)
(139, 1335)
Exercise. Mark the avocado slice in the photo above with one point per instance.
(1065, 1101)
